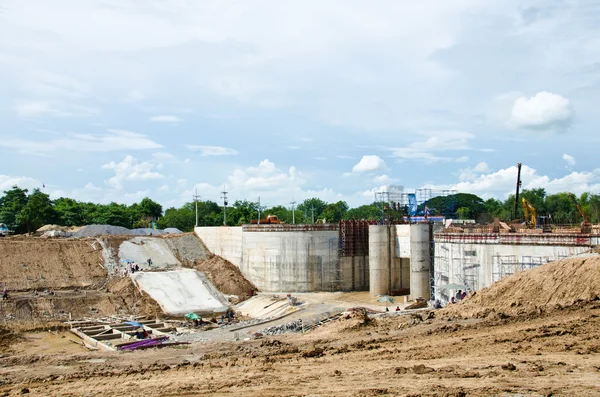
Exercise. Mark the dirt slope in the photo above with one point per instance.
(553, 285)
(36, 263)
(225, 276)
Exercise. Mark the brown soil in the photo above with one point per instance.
(553, 285)
(225, 276)
(35, 263)
(419, 355)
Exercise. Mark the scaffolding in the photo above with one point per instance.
(465, 269)
(395, 194)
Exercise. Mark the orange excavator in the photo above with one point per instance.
(586, 226)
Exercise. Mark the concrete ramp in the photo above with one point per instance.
(181, 291)
(140, 249)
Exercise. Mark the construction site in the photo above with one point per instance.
(320, 309)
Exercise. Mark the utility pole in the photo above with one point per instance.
(224, 197)
(196, 197)
(258, 223)
(313, 213)
(293, 203)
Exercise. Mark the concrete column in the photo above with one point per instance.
(379, 259)
(420, 261)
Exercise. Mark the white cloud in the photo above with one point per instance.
(130, 170)
(24, 182)
(213, 150)
(439, 141)
(114, 140)
(166, 119)
(266, 176)
(163, 156)
(543, 111)
(369, 164)
(382, 179)
(52, 108)
(569, 159)
(501, 183)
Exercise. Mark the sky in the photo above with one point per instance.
(117, 100)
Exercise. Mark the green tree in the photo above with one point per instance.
(38, 211)
(150, 209)
(335, 212)
(183, 218)
(312, 207)
(69, 212)
(11, 204)
(369, 212)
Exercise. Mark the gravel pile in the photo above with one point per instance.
(108, 230)
(292, 326)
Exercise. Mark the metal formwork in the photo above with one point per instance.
(354, 237)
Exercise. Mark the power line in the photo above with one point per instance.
(224, 197)
(196, 197)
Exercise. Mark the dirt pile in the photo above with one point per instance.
(225, 276)
(187, 247)
(34, 263)
(554, 285)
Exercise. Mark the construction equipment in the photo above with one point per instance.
(530, 213)
(518, 187)
(586, 226)
(270, 219)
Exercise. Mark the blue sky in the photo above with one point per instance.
(106, 100)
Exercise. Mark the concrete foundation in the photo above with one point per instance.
(400, 260)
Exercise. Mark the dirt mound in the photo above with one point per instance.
(557, 284)
(47, 228)
(225, 276)
(34, 263)
(187, 247)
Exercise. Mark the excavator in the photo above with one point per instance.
(530, 213)
(586, 226)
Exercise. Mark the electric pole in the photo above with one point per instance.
(224, 197)
(258, 223)
(293, 203)
(313, 213)
(196, 197)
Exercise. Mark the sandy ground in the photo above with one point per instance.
(553, 353)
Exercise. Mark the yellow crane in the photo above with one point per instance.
(530, 213)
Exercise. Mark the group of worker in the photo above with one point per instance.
(460, 295)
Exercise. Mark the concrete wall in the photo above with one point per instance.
(355, 271)
(479, 260)
(293, 261)
(225, 241)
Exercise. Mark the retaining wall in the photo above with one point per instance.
(225, 241)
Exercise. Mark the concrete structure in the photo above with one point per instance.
(288, 258)
(404, 259)
(225, 241)
(477, 260)
(179, 292)
(400, 260)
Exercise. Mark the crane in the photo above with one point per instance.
(530, 213)
(586, 226)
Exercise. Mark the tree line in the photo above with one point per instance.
(25, 212)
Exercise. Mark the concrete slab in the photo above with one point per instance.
(140, 249)
(183, 291)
